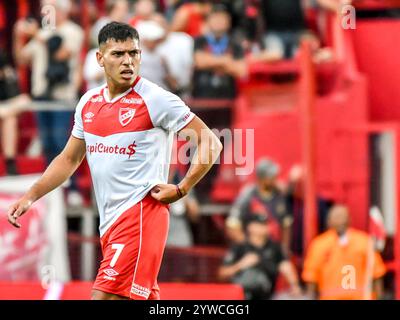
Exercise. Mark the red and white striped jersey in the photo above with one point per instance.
(128, 142)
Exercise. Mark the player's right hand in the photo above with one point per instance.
(17, 210)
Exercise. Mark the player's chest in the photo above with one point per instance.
(103, 118)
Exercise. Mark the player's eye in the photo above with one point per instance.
(134, 53)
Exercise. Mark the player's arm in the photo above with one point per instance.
(208, 149)
(207, 152)
(59, 170)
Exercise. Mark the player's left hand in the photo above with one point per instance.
(165, 193)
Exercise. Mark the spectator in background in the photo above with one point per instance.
(53, 53)
(284, 24)
(191, 18)
(246, 26)
(172, 6)
(153, 65)
(295, 205)
(218, 60)
(179, 62)
(144, 10)
(116, 10)
(183, 213)
(262, 199)
(11, 104)
(256, 263)
(93, 74)
(330, 255)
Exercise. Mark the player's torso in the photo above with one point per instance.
(120, 132)
(125, 152)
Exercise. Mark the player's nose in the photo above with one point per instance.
(127, 59)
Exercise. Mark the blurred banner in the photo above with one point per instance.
(38, 250)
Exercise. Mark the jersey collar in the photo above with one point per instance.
(107, 96)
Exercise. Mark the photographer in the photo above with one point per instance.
(256, 263)
(53, 53)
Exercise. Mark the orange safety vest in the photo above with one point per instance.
(343, 272)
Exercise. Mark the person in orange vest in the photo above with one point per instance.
(341, 263)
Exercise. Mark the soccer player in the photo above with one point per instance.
(126, 128)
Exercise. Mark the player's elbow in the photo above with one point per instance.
(216, 144)
(219, 146)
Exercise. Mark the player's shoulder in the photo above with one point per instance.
(154, 94)
(145, 86)
(92, 93)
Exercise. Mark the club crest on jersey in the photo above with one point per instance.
(126, 115)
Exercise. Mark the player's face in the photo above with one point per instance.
(121, 60)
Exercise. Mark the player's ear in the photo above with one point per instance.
(100, 58)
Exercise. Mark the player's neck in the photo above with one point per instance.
(116, 90)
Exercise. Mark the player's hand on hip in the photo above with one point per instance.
(165, 193)
(17, 210)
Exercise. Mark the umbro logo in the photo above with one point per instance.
(111, 272)
(89, 117)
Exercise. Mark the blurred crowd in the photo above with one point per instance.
(265, 227)
(193, 48)
(196, 49)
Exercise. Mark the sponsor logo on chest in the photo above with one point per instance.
(97, 99)
(131, 100)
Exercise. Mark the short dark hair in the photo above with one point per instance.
(117, 31)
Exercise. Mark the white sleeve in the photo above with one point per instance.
(77, 129)
(169, 112)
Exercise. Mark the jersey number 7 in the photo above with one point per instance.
(118, 247)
